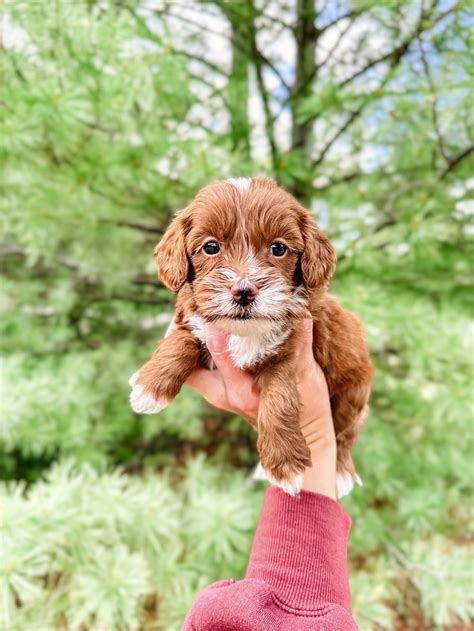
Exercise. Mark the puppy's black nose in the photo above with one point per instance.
(243, 294)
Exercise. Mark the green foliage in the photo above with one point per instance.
(99, 550)
(110, 123)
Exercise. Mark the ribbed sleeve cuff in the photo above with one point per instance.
(300, 550)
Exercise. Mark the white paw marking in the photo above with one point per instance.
(259, 473)
(292, 485)
(143, 403)
(345, 483)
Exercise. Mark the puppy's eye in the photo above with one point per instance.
(278, 249)
(211, 247)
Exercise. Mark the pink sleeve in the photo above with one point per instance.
(300, 549)
(296, 577)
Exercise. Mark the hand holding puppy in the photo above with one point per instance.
(233, 389)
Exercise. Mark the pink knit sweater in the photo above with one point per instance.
(296, 577)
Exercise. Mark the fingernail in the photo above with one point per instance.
(216, 343)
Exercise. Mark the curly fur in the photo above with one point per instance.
(245, 217)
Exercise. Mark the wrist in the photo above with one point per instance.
(321, 476)
(319, 433)
(324, 447)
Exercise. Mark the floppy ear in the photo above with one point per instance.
(171, 257)
(318, 260)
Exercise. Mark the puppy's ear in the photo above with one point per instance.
(170, 255)
(318, 260)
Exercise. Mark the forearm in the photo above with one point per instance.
(297, 573)
(321, 476)
(300, 550)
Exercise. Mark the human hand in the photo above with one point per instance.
(232, 389)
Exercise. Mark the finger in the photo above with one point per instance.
(217, 346)
(304, 343)
(208, 383)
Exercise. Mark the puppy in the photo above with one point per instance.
(248, 257)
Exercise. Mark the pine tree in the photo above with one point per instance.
(115, 113)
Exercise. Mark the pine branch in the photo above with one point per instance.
(410, 566)
(134, 299)
(134, 225)
(87, 281)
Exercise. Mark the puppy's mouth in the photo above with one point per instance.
(243, 312)
(243, 316)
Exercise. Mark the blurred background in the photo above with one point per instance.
(114, 114)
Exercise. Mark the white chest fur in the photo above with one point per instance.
(245, 350)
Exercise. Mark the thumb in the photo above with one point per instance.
(304, 349)
(216, 342)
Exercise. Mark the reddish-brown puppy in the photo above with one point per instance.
(248, 257)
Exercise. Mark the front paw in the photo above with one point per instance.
(286, 479)
(143, 402)
(345, 483)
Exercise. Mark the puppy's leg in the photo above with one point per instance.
(157, 383)
(284, 454)
(349, 410)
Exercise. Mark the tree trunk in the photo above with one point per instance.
(306, 36)
(238, 92)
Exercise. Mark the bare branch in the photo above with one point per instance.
(268, 114)
(329, 54)
(334, 47)
(395, 56)
(434, 103)
(282, 23)
(454, 161)
(273, 68)
(400, 50)
(187, 20)
(202, 60)
(356, 113)
(352, 117)
(347, 16)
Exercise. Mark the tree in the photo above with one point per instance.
(115, 114)
(337, 65)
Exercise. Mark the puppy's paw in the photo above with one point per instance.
(143, 402)
(345, 483)
(291, 483)
(259, 473)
